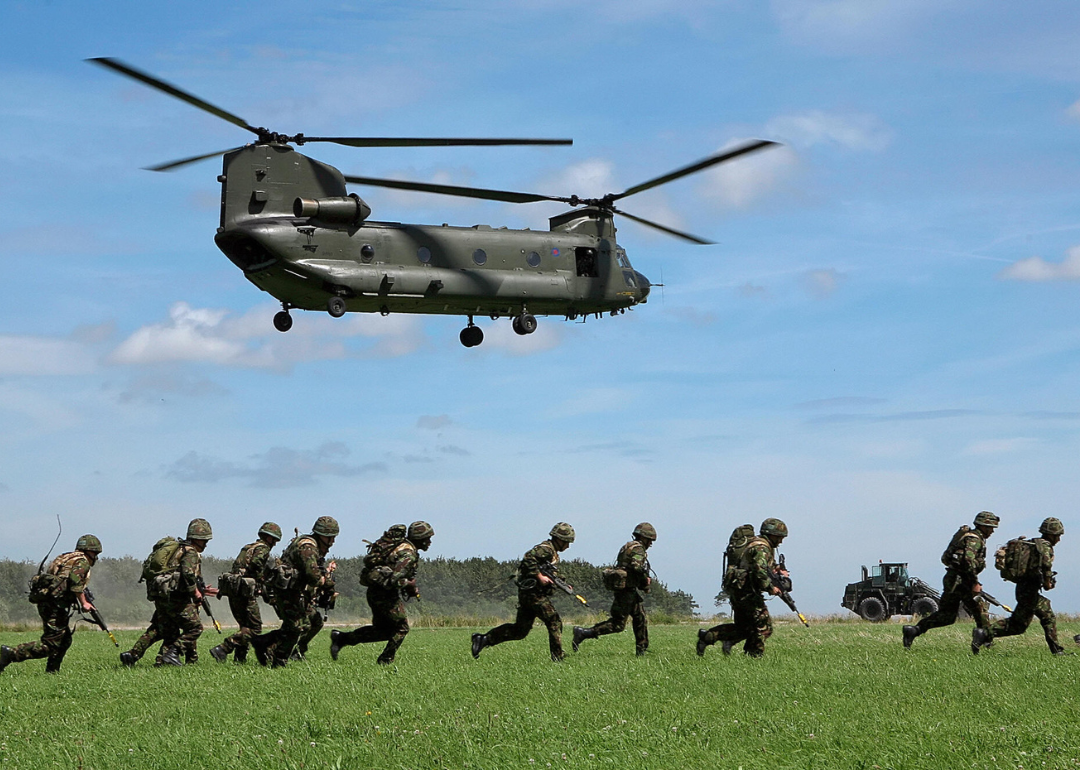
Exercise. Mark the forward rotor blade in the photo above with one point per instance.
(712, 160)
(124, 69)
(375, 141)
(184, 161)
(462, 192)
(665, 229)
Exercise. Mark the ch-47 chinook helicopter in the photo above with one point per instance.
(289, 223)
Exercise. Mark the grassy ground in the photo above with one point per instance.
(838, 695)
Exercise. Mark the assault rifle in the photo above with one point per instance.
(95, 616)
(782, 581)
(326, 596)
(201, 585)
(548, 570)
(994, 601)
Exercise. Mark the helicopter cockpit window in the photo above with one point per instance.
(620, 255)
(533, 259)
(367, 252)
(479, 256)
(423, 254)
(586, 262)
(628, 276)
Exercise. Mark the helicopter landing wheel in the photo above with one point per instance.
(335, 306)
(471, 336)
(524, 323)
(282, 321)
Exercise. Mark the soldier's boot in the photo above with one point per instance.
(7, 655)
(128, 659)
(170, 656)
(1075, 639)
(702, 642)
(218, 653)
(580, 635)
(385, 660)
(336, 643)
(910, 632)
(52, 665)
(726, 646)
(260, 645)
(557, 657)
(191, 658)
(240, 656)
(479, 642)
(296, 655)
(980, 638)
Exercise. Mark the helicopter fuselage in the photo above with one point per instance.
(288, 222)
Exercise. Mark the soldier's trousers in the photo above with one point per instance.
(55, 637)
(750, 621)
(957, 592)
(530, 607)
(389, 623)
(1029, 604)
(175, 623)
(627, 604)
(298, 615)
(246, 612)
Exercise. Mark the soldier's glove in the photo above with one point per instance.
(410, 588)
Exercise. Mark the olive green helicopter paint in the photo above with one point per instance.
(289, 223)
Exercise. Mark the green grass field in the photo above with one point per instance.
(837, 695)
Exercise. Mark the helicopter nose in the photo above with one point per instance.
(643, 284)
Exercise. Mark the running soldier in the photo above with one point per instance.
(534, 596)
(964, 559)
(745, 581)
(391, 581)
(1029, 602)
(309, 578)
(55, 592)
(177, 591)
(244, 586)
(630, 581)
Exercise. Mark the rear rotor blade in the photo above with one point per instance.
(712, 160)
(375, 141)
(124, 69)
(462, 192)
(194, 159)
(665, 229)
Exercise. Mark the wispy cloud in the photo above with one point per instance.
(930, 414)
(44, 356)
(1038, 270)
(821, 284)
(999, 446)
(278, 467)
(746, 180)
(850, 131)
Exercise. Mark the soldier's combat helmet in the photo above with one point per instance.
(773, 527)
(563, 531)
(326, 526)
(271, 529)
(420, 530)
(199, 529)
(646, 530)
(986, 519)
(88, 544)
(1052, 526)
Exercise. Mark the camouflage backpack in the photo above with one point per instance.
(375, 570)
(740, 538)
(52, 583)
(614, 578)
(1017, 559)
(955, 550)
(161, 569)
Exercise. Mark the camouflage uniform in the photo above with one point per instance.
(1030, 603)
(745, 585)
(295, 605)
(71, 574)
(629, 602)
(389, 622)
(960, 580)
(534, 601)
(249, 563)
(176, 622)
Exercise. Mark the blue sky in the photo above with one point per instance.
(885, 340)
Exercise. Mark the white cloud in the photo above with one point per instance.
(744, 180)
(589, 178)
(851, 131)
(44, 356)
(1037, 269)
(250, 341)
(1073, 111)
(821, 284)
(500, 335)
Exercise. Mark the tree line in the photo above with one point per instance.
(472, 591)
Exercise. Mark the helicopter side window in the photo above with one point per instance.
(479, 256)
(533, 259)
(586, 262)
(424, 254)
(367, 252)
